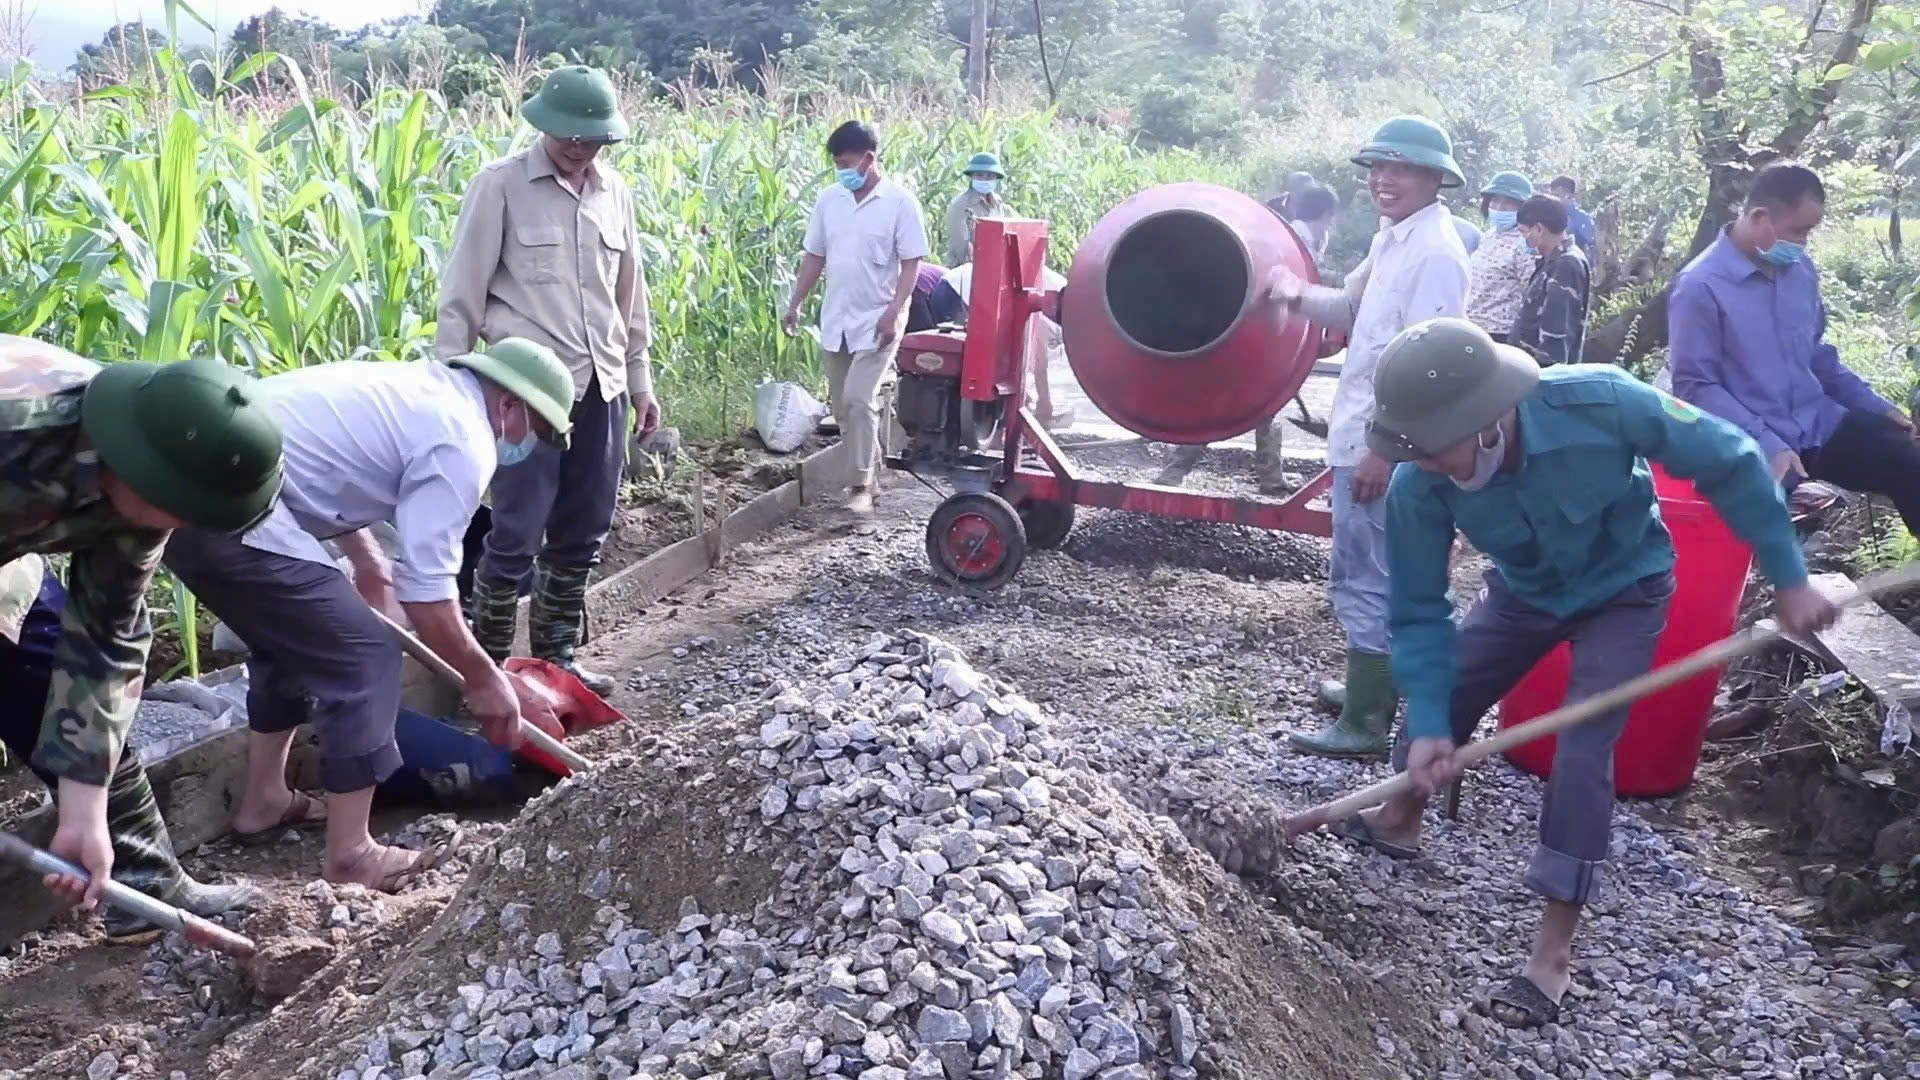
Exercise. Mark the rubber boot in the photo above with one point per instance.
(553, 621)
(1269, 468)
(1366, 720)
(493, 611)
(143, 859)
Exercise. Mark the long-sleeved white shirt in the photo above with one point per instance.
(367, 442)
(1416, 270)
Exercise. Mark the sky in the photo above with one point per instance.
(60, 27)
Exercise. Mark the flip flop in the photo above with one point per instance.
(299, 814)
(1522, 995)
(1357, 830)
(432, 857)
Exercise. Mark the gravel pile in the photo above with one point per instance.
(891, 873)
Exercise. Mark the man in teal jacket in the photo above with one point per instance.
(1543, 472)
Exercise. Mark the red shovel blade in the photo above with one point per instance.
(569, 708)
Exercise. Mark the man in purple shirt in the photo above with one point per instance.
(1746, 326)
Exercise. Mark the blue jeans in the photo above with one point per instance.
(1358, 582)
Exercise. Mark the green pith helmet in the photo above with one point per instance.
(1415, 140)
(188, 438)
(1439, 383)
(531, 373)
(984, 162)
(1511, 184)
(577, 103)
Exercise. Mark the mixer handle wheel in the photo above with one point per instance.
(1047, 521)
(975, 540)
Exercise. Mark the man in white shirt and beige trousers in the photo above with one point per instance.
(413, 445)
(1415, 271)
(868, 235)
(546, 250)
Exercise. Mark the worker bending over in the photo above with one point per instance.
(1416, 270)
(1542, 472)
(98, 463)
(410, 444)
(546, 250)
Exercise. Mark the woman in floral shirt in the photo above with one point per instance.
(1501, 266)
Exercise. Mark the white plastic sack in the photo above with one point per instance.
(784, 414)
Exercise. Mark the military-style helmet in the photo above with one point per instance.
(532, 373)
(1415, 140)
(984, 162)
(1441, 382)
(578, 104)
(188, 438)
(1511, 184)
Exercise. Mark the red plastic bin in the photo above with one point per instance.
(1660, 748)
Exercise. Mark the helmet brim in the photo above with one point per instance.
(560, 421)
(1450, 174)
(110, 415)
(547, 120)
(1513, 377)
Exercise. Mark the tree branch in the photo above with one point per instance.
(1845, 51)
(1641, 66)
(1668, 8)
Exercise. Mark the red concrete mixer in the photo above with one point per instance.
(1168, 331)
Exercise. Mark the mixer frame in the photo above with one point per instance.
(1008, 501)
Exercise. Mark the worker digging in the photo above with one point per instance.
(835, 846)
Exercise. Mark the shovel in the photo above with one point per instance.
(1744, 643)
(199, 931)
(539, 739)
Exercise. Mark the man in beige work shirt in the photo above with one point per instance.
(546, 250)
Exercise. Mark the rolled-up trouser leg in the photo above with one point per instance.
(1358, 578)
(318, 649)
(1611, 644)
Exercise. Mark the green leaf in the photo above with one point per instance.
(1884, 55)
(1838, 72)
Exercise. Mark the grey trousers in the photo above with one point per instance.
(559, 504)
(1357, 578)
(1500, 640)
(317, 654)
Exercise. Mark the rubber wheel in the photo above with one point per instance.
(979, 420)
(975, 540)
(1047, 522)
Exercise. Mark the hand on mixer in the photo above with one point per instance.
(1284, 287)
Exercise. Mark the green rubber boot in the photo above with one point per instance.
(143, 859)
(555, 617)
(1366, 720)
(493, 610)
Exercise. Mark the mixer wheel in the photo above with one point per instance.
(976, 541)
(1047, 522)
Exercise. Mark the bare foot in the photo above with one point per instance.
(296, 809)
(1549, 969)
(1397, 822)
(378, 867)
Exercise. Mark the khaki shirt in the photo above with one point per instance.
(533, 259)
(966, 208)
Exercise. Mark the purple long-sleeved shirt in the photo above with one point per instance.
(1748, 346)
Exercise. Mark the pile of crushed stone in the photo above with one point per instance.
(888, 871)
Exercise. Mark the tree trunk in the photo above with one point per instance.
(977, 53)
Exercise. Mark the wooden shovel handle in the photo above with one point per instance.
(433, 662)
(1712, 656)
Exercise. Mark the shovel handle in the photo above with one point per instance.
(1712, 656)
(435, 663)
(199, 931)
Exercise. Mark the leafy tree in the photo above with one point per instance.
(121, 55)
(659, 36)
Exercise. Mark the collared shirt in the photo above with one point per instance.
(1746, 343)
(50, 501)
(366, 442)
(1580, 225)
(863, 242)
(1553, 321)
(1577, 521)
(966, 208)
(1498, 272)
(532, 258)
(1415, 271)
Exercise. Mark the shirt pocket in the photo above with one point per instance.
(610, 245)
(535, 257)
(878, 250)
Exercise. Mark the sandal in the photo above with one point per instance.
(299, 814)
(1357, 830)
(1522, 996)
(396, 880)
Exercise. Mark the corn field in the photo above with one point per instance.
(243, 215)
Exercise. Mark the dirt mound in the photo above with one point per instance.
(891, 871)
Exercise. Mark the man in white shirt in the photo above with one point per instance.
(1416, 270)
(868, 236)
(414, 445)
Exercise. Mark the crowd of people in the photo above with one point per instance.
(1462, 410)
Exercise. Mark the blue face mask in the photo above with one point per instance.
(1783, 253)
(851, 179)
(1503, 219)
(513, 453)
(986, 187)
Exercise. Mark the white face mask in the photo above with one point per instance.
(1486, 461)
